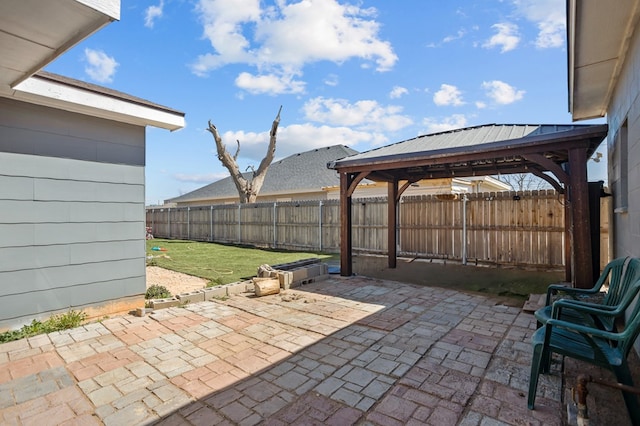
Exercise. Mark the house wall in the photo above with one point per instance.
(71, 213)
(624, 154)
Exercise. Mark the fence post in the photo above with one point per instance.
(464, 229)
(275, 232)
(188, 223)
(169, 221)
(320, 226)
(239, 225)
(211, 224)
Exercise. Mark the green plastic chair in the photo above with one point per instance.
(602, 348)
(620, 274)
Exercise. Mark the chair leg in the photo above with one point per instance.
(536, 361)
(623, 375)
(545, 366)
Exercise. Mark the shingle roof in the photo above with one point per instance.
(301, 172)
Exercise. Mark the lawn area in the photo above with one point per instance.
(220, 263)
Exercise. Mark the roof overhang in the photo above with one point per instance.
(63, 93)
(598, 36)
(34, 32)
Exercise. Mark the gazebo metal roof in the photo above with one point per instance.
(557, 153)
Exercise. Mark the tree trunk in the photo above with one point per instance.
(247, 189)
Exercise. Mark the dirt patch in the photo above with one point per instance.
(512, 286)
(175, 282)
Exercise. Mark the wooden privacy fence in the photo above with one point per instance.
(504, 228)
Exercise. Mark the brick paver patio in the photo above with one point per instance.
(341, 351)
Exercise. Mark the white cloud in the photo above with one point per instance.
(507, 37)
(448, 95)
(502, 93)
(199, 178)
(152, 13)
(362, 115)
(297, 138)
(481, 104)
(100, 66)
(271, 84)
(458, 36)
(397, 92)
(283, 38)
(455, 121)
(550, 18)
(331, 80)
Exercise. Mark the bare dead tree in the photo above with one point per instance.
(248, 189)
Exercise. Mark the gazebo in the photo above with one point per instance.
(556, 153)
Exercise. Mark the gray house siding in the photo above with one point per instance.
(71, 212)
(623, 118)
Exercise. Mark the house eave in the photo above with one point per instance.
(75, 99)
(33, 32)
(595, 58)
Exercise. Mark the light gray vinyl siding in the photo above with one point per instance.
(37, 130)
(623, 117)
(71, 212)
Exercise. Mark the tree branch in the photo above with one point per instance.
(271, 150)
(228, 161)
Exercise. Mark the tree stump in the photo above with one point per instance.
(266, 286)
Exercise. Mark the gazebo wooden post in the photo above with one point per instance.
(392, 221)
(568, 238)
(581, 244)
(346, 240)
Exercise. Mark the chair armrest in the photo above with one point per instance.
(595, 332)
(554, 288)
(583, 307)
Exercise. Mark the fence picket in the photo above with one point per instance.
(524, 228)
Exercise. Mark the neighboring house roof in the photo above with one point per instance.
(595, 56)
(298, 173)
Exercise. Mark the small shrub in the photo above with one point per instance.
(65, 321)
(157, 292)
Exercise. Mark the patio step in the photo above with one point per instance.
(535, 302)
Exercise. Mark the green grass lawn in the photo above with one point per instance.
(220, 263)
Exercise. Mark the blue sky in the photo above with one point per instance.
(362, 73)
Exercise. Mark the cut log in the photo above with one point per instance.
(266, 286)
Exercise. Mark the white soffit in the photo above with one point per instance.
(62, 96)
(598, 39)
(35, 32)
